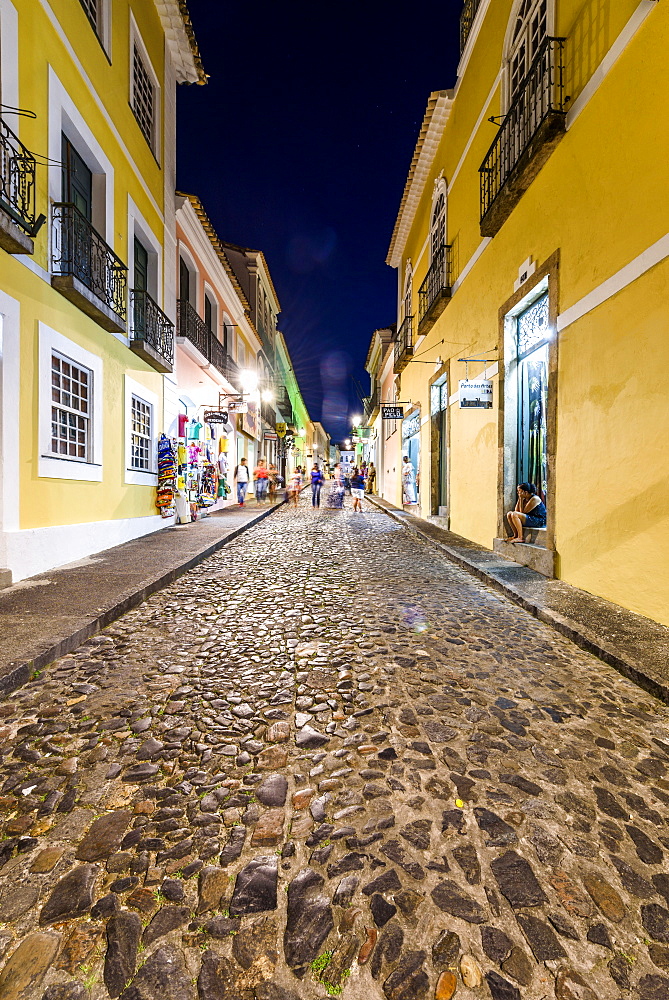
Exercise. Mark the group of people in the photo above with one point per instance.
(267, 481)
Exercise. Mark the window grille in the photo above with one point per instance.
(533, 326)
(438, 398)
(93, 9)
(71, 390)
(142, 97)
(530, 31)
(438, 228)
(140, 435)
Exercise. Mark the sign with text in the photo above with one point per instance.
(270, 436)
(392, 412)
(476, 395)
(281, 430)
(216, 417)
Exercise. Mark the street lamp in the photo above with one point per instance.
(267, 396)
(249, 380)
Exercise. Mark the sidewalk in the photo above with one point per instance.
(49, 615)
(634, 645)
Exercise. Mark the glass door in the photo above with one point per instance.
(532, 452)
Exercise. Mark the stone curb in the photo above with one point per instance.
(563, 624)
(21, 671)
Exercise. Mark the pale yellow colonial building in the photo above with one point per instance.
(533, 240)
(87, 269)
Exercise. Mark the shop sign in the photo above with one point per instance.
(270, 436)
(281, 429)
(411, 425)
(238, 407)
(216, 417)
(476, 395)
(392, 412)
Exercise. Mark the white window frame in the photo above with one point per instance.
(104, 35)
(136, 41)
(139, 227)
(53, 466)
(407, 291)
(138, 477)
(65, 117)
(9, 60)
(509, 47)
(440, 189)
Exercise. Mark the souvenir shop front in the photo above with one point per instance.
(195, 469)
(247, 432)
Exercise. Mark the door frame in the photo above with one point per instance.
(437, 446)
(546, 277)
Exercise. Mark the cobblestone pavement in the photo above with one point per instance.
(324, 762)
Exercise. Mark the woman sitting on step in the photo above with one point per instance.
(529, 512)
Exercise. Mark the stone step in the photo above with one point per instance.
(537, 557)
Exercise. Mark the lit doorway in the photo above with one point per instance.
(532, 336)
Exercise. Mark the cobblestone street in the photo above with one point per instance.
(328, 762)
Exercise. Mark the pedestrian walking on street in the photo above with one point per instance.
(273, 477)
(242, 477)
(335, 497)
(529, 512)
(408, 481)
(295, 486)
(357, 489)
(261, 480)
(317, 479)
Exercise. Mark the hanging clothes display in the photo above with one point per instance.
(167, 477)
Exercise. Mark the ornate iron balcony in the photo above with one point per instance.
(17, 189)
(371, 404)
(152, 334)
(528, 134)
(435, 291)
(193, 328)
(86, 270)
(467, 16)
(403, 345)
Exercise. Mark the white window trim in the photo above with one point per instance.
(139, 227)
(9, 59)
(137, 40)
(135, 477)
(105, 37)
(64, 116)
(440, 187)
(505, 96)
(63, 468)
(189, 260)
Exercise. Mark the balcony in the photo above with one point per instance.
(18, 224)
(152, 334)
(87, 271)
(371, 404)
(192, 328)
(435, 292)
(403, 345)
(527, 136)
(268, 413)
(467, 17)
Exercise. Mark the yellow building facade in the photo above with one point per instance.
(532, 253)
(87, 269)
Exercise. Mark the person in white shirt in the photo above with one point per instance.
(242, 477)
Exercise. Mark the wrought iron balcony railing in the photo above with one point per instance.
(371, 404)
(467, 16)
(79, 252)
(17, 182)
(193, 328)
(152, 333)
(435, 291)
(403, 345)
(534, 120)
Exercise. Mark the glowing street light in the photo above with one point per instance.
(267, 396)
(249, 380)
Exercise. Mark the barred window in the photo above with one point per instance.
(140, 432)
(143, 102)
(93, 10)
(71, 400)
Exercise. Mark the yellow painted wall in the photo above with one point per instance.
(100, 89)
(600, 201)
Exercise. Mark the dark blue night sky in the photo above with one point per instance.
(300, 145)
